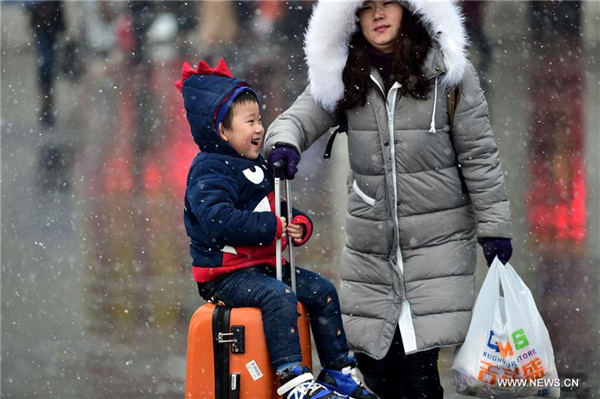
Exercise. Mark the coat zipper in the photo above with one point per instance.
(407, 330)
(390, 108)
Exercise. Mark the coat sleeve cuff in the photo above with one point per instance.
(279, 229)
(303, 220)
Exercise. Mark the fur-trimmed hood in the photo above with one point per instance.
(333, 22)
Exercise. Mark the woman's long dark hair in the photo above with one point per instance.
(410, 49)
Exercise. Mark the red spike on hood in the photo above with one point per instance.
(186, 72)
(203, 69)
(222, 69)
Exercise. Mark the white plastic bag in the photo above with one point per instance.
(507, 352)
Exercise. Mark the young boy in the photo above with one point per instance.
(229, 217)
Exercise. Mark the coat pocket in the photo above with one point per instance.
(368, 200)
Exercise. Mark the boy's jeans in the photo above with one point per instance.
(257, 287)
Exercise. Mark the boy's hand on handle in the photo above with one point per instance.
(284, 224)
(296, 232)
(492, 247)
(288, 158)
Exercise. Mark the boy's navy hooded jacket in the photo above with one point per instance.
(229, 200)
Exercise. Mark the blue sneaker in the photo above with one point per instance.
(298, 383)
(344, 382)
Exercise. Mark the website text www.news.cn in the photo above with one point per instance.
(540, 383)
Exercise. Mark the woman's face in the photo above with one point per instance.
(380, 23)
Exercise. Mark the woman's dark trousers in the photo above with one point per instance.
(400, 376)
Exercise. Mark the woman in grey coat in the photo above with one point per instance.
(421, 191)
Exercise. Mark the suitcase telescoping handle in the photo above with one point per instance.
(277, 172)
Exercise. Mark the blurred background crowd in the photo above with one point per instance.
(96, 279)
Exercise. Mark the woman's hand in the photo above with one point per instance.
(290, 158)
(492, 247)
(296, 232)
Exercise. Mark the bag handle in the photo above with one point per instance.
(342, 121)
(453, 99)
(491, 288)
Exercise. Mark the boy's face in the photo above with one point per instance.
(246, 133)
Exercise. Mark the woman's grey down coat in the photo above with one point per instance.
(410, 251)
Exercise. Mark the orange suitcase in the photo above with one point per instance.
(227, 355)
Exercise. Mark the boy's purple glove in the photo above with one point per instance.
(289, 157)
(492, 247)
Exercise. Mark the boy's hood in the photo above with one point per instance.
(331, 27)
(207, 94)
